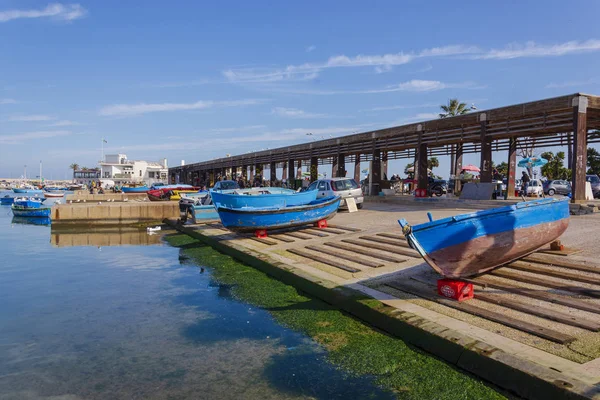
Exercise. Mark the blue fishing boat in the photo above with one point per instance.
(249, 219)
(470, 244)
(7, 200)
(21, 211)
(27, 190)
(262, 197)
(136, 189)
(31, 221)
(29, 202)
(197, 206)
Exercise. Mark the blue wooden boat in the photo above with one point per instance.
(27, 190)
(20, 211)
(249, 219)
(262, 197)
(31, 221)
(29, 202)
(137, 189)
(7, 200)
(470, 244)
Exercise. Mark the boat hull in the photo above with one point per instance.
(28, 191)
(204, 213)
(252, 219)
(139, 189)
(471, 244)
(7, 200)
(280, 199)
(53, 195)
(31, 213)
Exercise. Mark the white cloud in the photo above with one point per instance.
(311, 48)
(22, 137)
(382, 69)
(144, 108)
(64, 12)
(532, 49)
(295, 113)
(402, 107)
(418, 85)
(64, 122)
(30, 118)
(8, 101)
(238, 129)
(592, 81)
(309, 70)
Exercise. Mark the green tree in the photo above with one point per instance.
(74, 167)
(593, 161)
(502, 168)
(453, 108)
(410, 174)
(555, 169)
(432, 163)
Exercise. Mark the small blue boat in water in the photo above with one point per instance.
(197, 206)
(27, 191)
(28, 202)
(249, 219)
(7, 200)
(136, 189)
(262, 197)
(21, 211)
(470, 244)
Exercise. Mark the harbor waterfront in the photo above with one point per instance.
(101, 314)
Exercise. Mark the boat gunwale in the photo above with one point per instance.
(486, 213)
(283, 210)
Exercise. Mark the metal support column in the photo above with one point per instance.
(314, 169)
(384, 165)
(357, 168)
(375, 174)
(273, 173)
(341, 172)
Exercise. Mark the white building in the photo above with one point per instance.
(121, 171)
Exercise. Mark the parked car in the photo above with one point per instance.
(226, 185)
(345, 187)
(557, 187)
(594, 180)
(535, 188)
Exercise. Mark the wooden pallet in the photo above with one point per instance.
(370, 253)
(353, 258)
(429, 293)
(396, 250)
(323, 260)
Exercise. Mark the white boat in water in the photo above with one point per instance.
(53, 195)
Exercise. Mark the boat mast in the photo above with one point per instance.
(41, 180)
(25, 173)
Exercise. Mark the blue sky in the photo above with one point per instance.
(198, 80)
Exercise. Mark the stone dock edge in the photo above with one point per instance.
(507, 371)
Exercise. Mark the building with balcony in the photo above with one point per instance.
(86, 176)
(116, 169)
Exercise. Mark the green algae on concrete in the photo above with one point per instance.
(352, 345)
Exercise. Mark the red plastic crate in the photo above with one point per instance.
(453, 289)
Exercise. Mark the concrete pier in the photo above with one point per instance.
(105, 213)
(532, 328)
(81, 195)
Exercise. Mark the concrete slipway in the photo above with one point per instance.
(533, 327)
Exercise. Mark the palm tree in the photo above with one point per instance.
(454, 108)
(74, 167)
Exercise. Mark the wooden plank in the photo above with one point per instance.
(283, 238)
(533, 329)
(537, 294)
(329, 230)
(298, 235)
(344, 228)
(309, 232)
(263, 241)
(551, 315)
(398, 236)
(365, 252)
(397, 250)
(352, 258)
(523, 266)
(323, 260)
(386, 241)
(539, 281)
(561, 263)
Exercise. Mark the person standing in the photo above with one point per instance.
(525, 180)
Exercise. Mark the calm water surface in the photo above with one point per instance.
(133, 322)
